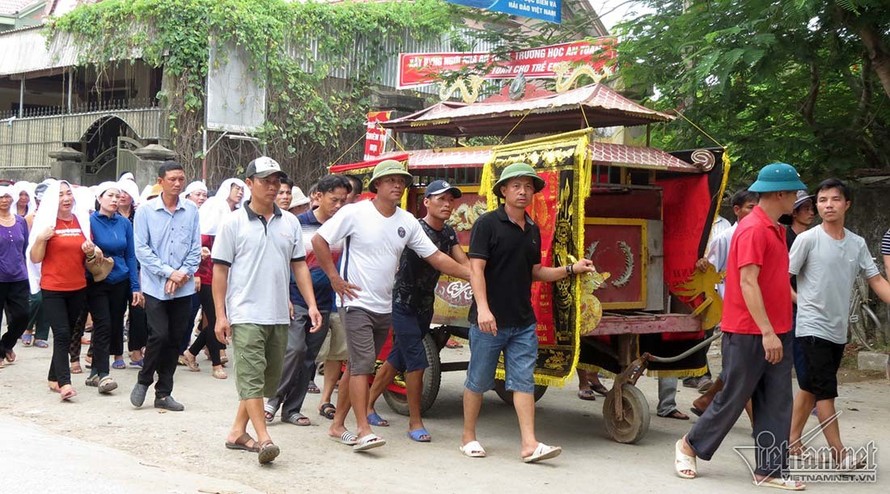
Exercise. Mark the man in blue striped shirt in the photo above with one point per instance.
(168, 246)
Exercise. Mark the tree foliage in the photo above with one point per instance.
(797, 81)
(296, 45)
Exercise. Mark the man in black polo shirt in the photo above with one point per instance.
(505, 255)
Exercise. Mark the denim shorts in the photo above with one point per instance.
(408, 328)
(520, 347)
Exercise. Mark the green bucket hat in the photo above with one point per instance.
(386, 168)
(518, 170)
(777, 177)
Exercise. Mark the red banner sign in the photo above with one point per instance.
(375, 135)
(418, 69)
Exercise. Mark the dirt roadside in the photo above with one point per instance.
(101, 444)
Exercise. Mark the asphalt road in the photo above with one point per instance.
(101, 444)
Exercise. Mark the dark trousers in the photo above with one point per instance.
(208, 335)
(62, 309)
(196, 306)
(747, 374)
(299, 362)
(36, 318)
(107, 303)
(168, 320)
(14, 301)
(138, 335)
(77, 332)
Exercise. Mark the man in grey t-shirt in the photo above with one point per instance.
(827, 259)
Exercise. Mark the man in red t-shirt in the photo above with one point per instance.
(756, 342)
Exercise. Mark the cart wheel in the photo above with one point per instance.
(500, 387)
(636, 415)
(432, 379)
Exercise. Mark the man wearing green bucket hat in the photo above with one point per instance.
(757, 338)
(505, 257)
(374, 233)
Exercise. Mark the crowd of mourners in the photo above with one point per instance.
(286, 281)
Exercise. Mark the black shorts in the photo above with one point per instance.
(823, 359)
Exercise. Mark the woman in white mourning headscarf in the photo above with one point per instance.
(60, 242)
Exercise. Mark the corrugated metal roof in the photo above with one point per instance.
(594, 96)
(26, 50)
(637, 157)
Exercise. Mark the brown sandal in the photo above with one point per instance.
(268, 452)
(243, 444)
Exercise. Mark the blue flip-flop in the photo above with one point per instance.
(377, 420)
(418, 435)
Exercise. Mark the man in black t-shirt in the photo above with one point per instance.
(505, 257)
(412, 308)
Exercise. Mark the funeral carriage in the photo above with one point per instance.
(642, 215)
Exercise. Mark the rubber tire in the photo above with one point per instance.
(500, 387)
(432, 380)
(636, 415)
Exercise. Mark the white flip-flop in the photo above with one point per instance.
(473, 450)
(542, 452)
(779, 483)
(683, 462)
(346, 438)
(370, 441)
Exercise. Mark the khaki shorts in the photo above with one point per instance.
(334, 346)
(259, 358)
(366, 333)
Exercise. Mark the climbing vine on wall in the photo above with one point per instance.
(311, 118)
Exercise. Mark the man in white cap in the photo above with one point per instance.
(255, 249)
(375, 234)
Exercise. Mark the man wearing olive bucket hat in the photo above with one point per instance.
(505, 257)
(757, 338)
(374, 233)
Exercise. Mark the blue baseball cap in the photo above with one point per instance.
(777, 177)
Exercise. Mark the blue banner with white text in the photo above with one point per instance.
(546, 10)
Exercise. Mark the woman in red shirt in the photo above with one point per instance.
(60, 241)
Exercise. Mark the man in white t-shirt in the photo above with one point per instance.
(374, 234)
(827, 259)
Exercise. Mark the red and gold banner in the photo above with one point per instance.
(418, 69)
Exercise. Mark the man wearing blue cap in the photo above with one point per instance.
(757, 338)
(412, 307)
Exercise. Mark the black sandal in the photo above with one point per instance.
(327, 410)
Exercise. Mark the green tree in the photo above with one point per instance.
(798, 81)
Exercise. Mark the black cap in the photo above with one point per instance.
(440, 187)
